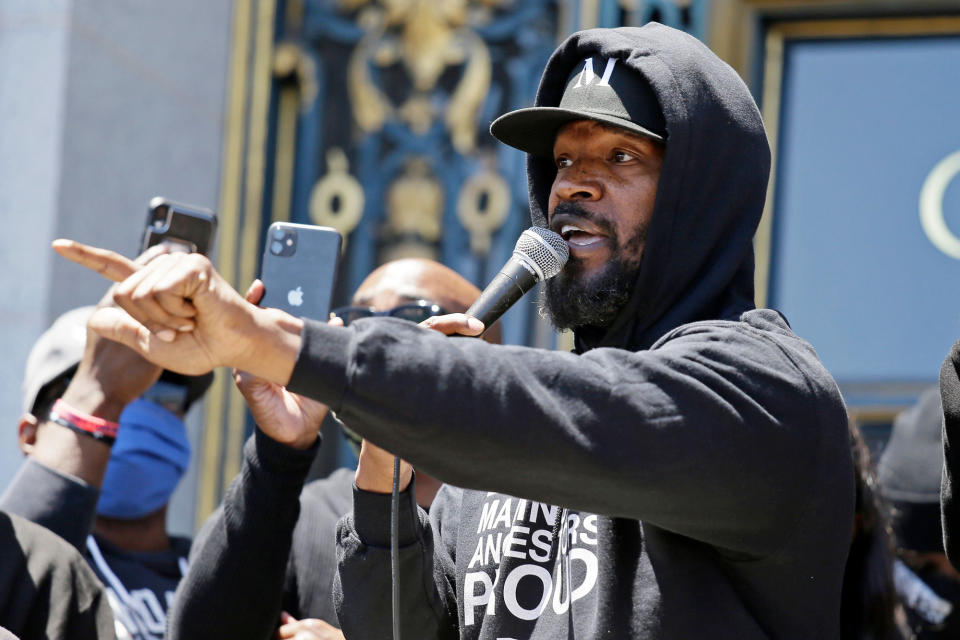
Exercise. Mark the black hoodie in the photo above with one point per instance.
(698, 258)
(695, 457)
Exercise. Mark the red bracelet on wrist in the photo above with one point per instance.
(97, 428)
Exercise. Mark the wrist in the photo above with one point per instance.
(372, 517)
(280, 458)
(99, 429)
(271, 345)
(90, 398)
(375, 473)
(301, 443)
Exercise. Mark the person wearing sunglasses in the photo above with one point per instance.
(413, 311)
(267, 556)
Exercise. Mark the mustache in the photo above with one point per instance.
(575, 209)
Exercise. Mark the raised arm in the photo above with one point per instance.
(238, 563)
(58, 486)
(716, 446)
(427, 567)
(233, 587)
(713, 434)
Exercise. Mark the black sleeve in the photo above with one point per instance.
(235, 582)
(362, 589)
(676, 435)
(47, 590)
(949, 501)
(62, 503)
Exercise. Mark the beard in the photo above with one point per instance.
(572, 300)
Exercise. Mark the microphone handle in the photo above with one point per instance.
(509, 285)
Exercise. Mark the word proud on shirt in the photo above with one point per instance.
(511, 571)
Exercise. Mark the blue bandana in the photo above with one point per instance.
(148, 459)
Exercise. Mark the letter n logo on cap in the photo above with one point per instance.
(587, 75)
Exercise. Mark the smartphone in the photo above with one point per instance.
(300, 269)
(184, 224)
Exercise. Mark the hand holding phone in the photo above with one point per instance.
(300, 269)
(187, 225)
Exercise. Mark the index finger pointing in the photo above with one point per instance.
(109, 264)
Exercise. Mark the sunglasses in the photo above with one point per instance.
(414, 312)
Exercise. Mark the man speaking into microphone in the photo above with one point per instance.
(685, 473)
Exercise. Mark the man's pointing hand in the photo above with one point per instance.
(178, 312)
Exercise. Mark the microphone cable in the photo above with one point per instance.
(539, 254)
(395, 548)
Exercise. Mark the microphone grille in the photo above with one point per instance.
(545, 249)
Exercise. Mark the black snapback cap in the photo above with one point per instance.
(601, 89)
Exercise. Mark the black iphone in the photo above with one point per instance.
(300, 269)
(183, 224)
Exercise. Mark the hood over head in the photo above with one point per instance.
(909, 473)
(697, 262)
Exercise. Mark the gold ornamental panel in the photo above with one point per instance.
(482, 207)
(415, 204)
(337, 198)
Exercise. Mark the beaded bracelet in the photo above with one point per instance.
(97, 428)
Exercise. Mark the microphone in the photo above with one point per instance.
(539, 254)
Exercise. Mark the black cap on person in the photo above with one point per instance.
(600, 89)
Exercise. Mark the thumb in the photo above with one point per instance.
(255, 292)
(248, 383)
(115, 324)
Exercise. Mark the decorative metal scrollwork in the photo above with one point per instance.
(290, 60)
(407, 89)
(415, 209)
(428, 38)
(482, 208)
(337, 198)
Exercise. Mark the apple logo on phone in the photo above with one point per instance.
(295, 297)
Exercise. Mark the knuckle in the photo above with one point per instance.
(159, 260)
(121, 296)
(198, 261)
(144, 296)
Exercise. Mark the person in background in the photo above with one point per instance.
(909, 475)
(870, 609)
(46, 588)
(949, 492)
(267, 556)
(106, 445)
